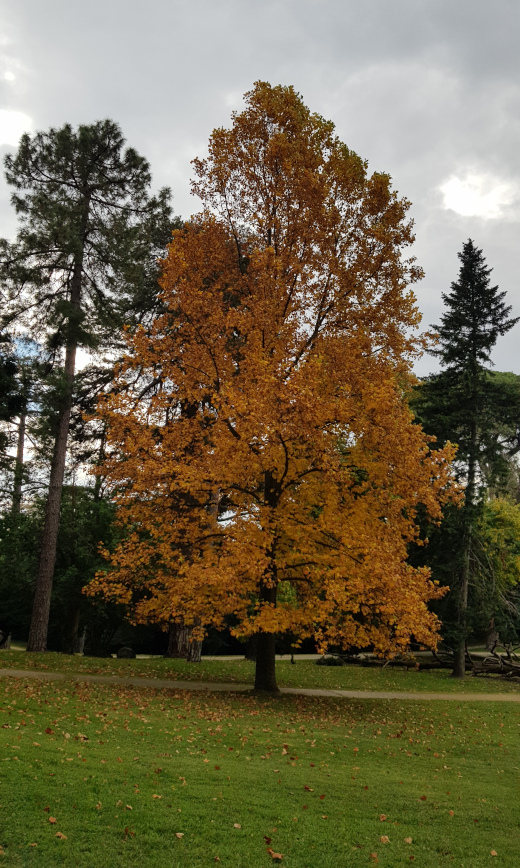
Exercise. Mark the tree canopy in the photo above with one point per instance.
(469, 405)
(264, 461)
(81, 264)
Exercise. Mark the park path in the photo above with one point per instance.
(217, 687)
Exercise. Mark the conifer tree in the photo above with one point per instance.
(81, 264)
(463, 403)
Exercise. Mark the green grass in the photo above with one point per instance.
(304, 673)
(324, 779)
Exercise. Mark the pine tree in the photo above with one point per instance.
(462, 403)
(81, 264)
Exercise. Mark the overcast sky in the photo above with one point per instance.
(427, 90)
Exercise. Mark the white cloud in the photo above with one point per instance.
(12, 125)
(477, 196)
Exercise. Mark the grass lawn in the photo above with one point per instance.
(304, 673)
(94, 775)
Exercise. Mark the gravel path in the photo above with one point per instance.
(216, 687)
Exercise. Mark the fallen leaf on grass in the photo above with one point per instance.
(267, 839)
(46, 809)
(129, 833)
(451, 813)
(52, 820)
(493, 853)
(155, 796)
(384, 839)
(275, 856)
(407, 840)
(30, 845)
(373, 857)
(179, 835)
(237, 826)
(382, 817)
(61, 836)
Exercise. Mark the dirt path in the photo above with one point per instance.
(216, 687)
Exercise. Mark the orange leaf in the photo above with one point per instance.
(275, 856)
(61, 836)
(52, 820)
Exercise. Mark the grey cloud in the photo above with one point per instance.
(425, 89)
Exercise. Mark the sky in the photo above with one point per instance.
(425, 90)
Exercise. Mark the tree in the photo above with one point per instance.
(89, 233)
(464, 403)
(274, 472)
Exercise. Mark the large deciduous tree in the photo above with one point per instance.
(273, 473)
(82, 260)
(467, 404)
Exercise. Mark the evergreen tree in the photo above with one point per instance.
(81, 267)
(463, 404)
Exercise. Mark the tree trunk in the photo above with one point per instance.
(459, 652)
(18, 467)
(178, 640)
(265, 670)
(194, 651)
(42, 597)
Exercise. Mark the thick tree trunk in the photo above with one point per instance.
(178, 640)
(181, 645)
(265, 670)
(18, 467)
(42, 598)
(194, 651)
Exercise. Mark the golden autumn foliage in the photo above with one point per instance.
(261, 450)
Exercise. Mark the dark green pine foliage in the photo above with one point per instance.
(463, 404)
(82, 266)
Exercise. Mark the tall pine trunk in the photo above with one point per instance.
(459, 662)
(18, 467)
(42, 597)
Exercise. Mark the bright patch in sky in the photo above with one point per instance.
(12, 125)
(476, 196)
